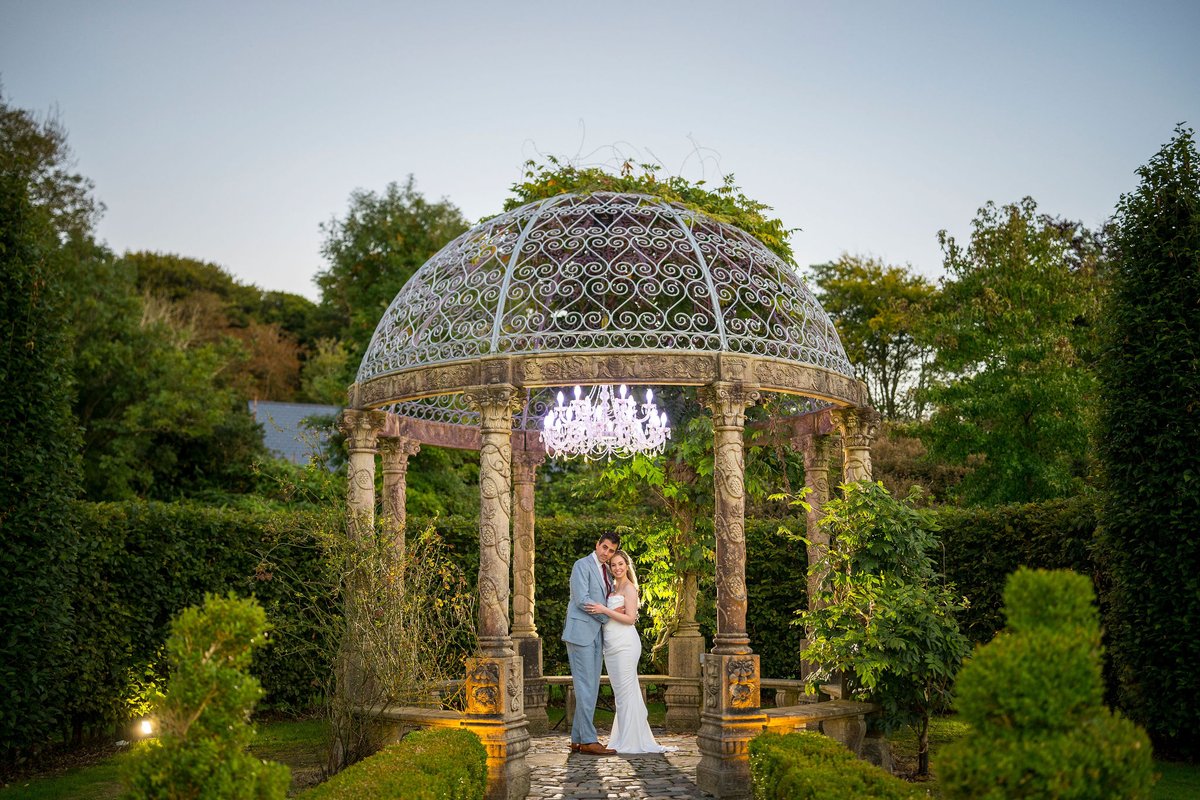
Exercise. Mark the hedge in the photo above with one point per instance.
(445, 764)
(983, 546)
(140, 563)
(810, 766)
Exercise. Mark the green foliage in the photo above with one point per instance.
(1034, 700)
(982, 546)
(445, 764)
(878, 309)
(725, 203)
(1149, 438)
(809, 766)
(204, 717)
(324, 374)
(883, 618)
(39, 465)
(1013, 396)
(372, 252)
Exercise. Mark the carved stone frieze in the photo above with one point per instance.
(742, 683)
(483, 687)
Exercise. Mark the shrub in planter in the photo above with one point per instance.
(1034, 699)
(809, 766)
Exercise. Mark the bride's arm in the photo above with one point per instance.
(622, 614)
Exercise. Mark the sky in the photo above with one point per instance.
(230, 132)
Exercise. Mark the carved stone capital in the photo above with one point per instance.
(394, 452)
(817, 450)
(524, 466)
(496, 403)
(728, 402)
(858, 425)
(361, 428)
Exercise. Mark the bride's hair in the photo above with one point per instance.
(629, 571)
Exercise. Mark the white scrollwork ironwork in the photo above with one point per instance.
(604, 424)
(597, 272)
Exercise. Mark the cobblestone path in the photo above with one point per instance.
(558, 775)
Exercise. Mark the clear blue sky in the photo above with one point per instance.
(229, 131)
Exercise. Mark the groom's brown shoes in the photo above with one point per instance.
(595, 749)
(574, 747)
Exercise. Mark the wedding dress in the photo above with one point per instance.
(622, 649)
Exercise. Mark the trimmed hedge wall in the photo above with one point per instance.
(810, 766)
(445, 764)
(983, 546)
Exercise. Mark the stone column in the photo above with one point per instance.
(818, 450)
(684, 649)
(394, 452)
(732, 713)
(361, 429)
(525, 636)
(354, 689)
(495, 694)
(858, 426)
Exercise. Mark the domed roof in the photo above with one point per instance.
(584, 274)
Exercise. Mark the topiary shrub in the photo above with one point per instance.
(204, 718)
(1034, 699)
(809, 766)
(446, 764)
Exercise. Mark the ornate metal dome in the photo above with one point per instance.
(576, 276)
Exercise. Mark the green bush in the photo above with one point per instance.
(446, 764)
(809, 766)
(1034, 700)
(203, 718)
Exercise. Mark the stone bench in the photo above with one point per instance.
(565, 682)
(843, 720)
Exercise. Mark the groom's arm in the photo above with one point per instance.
(579, 592)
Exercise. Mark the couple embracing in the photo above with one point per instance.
(600, 627)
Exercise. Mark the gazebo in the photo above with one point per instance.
(592, 289)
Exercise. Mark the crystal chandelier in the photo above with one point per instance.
(604, 425)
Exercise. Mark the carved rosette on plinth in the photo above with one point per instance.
(731, 717)
(731, 714)
(524, 632)
(394, 452)
(859, 427)
(495, 680)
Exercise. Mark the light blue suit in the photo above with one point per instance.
(585, 649)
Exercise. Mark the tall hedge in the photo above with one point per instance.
(982, 546)
(39, 472)
(1149, 446)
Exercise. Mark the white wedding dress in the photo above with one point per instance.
(622, 649)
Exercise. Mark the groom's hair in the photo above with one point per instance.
(615, 538)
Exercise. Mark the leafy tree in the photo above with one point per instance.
(1149, 440)
(323, 378)
(372, 251)
(39, 464)
(1013, 395)
(877, 309)
(884, 617)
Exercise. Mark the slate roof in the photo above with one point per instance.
(284, 431)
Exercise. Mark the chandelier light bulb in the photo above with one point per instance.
(604, 424)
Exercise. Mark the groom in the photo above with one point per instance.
(590, 583)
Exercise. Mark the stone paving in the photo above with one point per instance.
(558, 775)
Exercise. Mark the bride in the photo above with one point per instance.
(622, 649)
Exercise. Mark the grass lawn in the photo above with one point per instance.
(301, 744)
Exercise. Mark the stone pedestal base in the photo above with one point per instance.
(529, 648)
(850, 732)
(730, 718)
(495, 712)
(683, 701)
